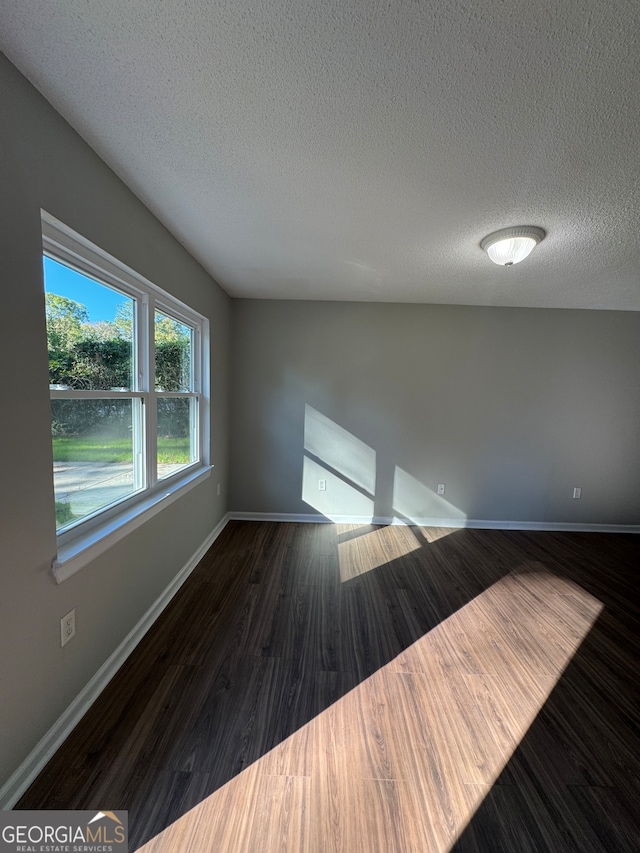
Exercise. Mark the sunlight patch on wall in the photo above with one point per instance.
(414, 501)
(340, 449)
(338, 499)
(374, 548)
(412, 751)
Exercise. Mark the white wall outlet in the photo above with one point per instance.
(322, 485)
(218, 489)
(68, 627)
(577, 493)
(441, 488)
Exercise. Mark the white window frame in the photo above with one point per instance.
(89, 537)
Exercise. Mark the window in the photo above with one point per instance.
(128, 385)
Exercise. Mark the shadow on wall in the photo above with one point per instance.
(339, 480)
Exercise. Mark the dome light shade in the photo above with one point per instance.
(512, 245)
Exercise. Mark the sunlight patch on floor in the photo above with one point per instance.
(376, 547)
(432, 534)
(403, 761)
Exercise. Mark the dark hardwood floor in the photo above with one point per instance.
(321, 688)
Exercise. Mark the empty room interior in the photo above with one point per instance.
(320, 472)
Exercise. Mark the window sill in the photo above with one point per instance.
(78, 552)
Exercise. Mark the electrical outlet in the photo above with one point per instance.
(577, 493)
(322, 485)
(68, 627)
(441, 488)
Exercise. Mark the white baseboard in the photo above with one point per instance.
(20, 780)
(311, 518)
(18, 783)
(479, 523)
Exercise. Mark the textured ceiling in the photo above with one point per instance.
(360, 149)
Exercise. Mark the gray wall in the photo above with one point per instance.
(45, 164)
(510, 408)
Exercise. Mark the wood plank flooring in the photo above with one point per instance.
(333, 689)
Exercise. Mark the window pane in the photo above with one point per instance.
(93, 455)
(89, 331)
(174, 354)
(177, 434)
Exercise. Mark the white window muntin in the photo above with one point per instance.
(65, 246)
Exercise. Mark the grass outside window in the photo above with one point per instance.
(87, 449)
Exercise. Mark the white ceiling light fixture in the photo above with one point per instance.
(512, 245)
